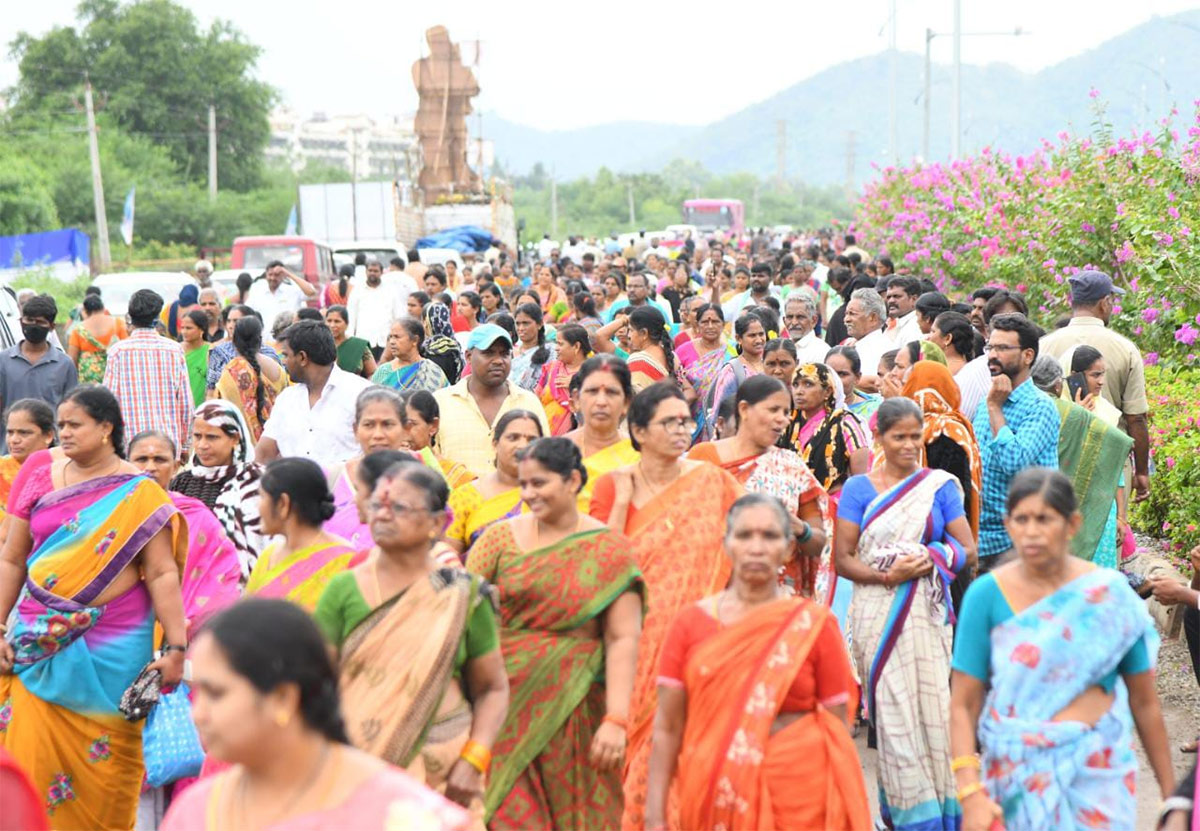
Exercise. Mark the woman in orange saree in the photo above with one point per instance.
(673, 509)
(553, 387)
(754, 691)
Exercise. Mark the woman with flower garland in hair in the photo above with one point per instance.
(570, 614)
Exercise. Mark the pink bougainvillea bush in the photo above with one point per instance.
(1128, 205)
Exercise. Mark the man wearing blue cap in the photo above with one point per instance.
(1093, 299)
(470, 408)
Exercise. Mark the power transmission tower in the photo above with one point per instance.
(97, 181)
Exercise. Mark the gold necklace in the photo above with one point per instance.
(655, 490)
(240, 797)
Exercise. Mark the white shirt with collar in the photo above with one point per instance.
(372, 310)
(905, 330)
(974, 381)
(811, 349)
(287, 298)
(870, 349)
(323, 432)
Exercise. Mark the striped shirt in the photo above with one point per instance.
(1029, 438)
(148, 374)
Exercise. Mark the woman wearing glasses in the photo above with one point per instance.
(673, 509)
(422, 679)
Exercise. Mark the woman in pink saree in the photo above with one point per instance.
(295, 502)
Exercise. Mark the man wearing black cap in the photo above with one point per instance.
(1093, 298)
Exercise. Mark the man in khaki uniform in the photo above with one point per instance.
(1093, 297)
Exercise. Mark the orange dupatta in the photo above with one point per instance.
(733, 772)
(933, 388)
(678, 543)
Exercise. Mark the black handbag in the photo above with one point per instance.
(142, 695)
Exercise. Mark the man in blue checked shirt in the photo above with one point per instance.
(1016, 426)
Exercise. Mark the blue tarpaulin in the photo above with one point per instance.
(462, 239)
(45, 248)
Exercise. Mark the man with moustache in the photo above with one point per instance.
(1017, 427)
(901, 299)
(372, 308)
(469, 409)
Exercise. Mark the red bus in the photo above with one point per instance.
(710, 215)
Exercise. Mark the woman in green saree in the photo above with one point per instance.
(570, 618)
(192, 328)
(1092, 452)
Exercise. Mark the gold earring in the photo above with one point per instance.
(282, 718)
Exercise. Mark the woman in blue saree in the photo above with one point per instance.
(1068, 651)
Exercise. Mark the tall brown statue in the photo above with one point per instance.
(446, 88)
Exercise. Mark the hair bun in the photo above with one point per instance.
(328, 508)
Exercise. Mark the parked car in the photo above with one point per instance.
(375, 249)
(117, 288)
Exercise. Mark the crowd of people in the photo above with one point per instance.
(634, 539)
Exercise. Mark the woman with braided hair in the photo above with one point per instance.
(224, 476)
(251, 381)
(652, 352)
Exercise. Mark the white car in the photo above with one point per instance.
(116, 289)
(225, 281)
(375, 249)
(440, 256)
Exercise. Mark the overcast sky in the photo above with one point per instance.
(545, 65)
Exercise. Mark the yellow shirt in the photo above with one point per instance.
(1124, 373)
(464, 436)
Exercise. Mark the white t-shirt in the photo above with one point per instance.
(287, 298)
(870, 349)
(323, 433)
(906, 330)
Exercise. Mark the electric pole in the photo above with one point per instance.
(212, 153)
(629, 196)
(893, 71)
(97, 181)
(850, 162)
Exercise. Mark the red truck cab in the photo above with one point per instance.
(303, 256)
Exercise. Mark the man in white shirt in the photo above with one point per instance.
(314, 417)
(761, 285)
(545, 246)
(799, 318)
(372, 308)
(864, 321)
(281, 291)
(903, 326)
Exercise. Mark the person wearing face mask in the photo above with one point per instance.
(34, 368)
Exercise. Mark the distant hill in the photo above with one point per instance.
(1140, 74)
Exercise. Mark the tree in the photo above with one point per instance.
(154, 72)
(26, 204)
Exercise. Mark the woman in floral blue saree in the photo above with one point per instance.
(1068, 651)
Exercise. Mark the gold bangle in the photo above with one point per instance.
(970, 790)
(962, 762)
(477, 756)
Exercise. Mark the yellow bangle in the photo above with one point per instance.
(962, 762)
(970, 790)
(477, 756)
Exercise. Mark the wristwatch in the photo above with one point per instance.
(171, 647)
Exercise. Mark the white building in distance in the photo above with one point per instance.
(367, 148)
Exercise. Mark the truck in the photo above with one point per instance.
(727, 216)
(345, 213)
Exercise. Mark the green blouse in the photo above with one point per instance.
(197, 365)
(342, 607)
(351, 353)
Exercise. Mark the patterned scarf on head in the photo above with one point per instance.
(439, 338)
